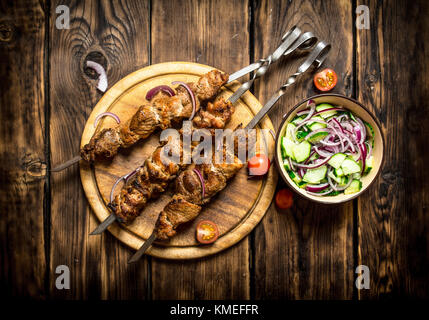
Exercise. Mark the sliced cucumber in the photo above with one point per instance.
(339, 172)
(316, 175)
(356, 175)
(297, 120)
(369, 164)
(302, 151)
(295, 178)
(354, 187)
(350, 166)
(287, 147)
(300, 135)
(334, 177)
(324, 106)
(316, 125)
(337, 159)
(302, 184)
(315, 138)
(286, 165)
(344, 181)
(290, 129)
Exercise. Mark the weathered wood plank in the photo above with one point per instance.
(307, 252)
(392, 68)
(115, 34)
(213, 33)
(22, 110)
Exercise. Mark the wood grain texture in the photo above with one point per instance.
(114, 34)
(306, 252)
(392, 68)
(22, 158)
(214, 34)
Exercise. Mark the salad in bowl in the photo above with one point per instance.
(329, 148)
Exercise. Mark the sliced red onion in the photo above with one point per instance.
(301, 113)
(362, 126)
(330, 144)
(191, 93)
(338, 124)
(312, 105)
(292, 167)
(322, 152)
(152, 92)
(104, 114)
(314, 165)
(203, 186)
(115, 184)
(344, 187)
(319, 194)
(316, 187)
(330, 181)
(369, 149)
(102, 76)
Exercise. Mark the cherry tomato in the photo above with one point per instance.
(258, 165)
(284, 199)
(207, 232)
(325, 80)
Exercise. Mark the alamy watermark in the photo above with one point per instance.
(362, 17)
(363, 280)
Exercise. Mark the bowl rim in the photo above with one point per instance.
(280, 161)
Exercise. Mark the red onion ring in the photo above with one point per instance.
(102, 76)
(311, 166)
(323, 153)
(203, 186)
(191, 93)
(319, 194)
(316, 187)
(104, 114)
(152, 92)
(115, 184)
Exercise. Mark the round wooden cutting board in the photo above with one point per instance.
(237, 209)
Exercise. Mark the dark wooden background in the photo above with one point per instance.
(311, 251)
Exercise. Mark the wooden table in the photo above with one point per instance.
(311, 251)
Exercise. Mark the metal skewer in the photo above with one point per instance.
(288, 40)
(315, 59)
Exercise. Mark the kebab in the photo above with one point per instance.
(195, 187)
(153, 177)
(184, 207)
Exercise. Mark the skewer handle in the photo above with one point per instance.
(66, 164)
(316, 58)
(103, 226)
(136, 257)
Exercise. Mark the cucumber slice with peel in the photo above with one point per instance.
(314, 176)
(313, 126)
(350, 166)
(324, 106)
(354, 187)
(315, 138)
(301, 151)
(337, 159)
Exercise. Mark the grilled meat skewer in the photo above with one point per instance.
(162, 112)
(187, 203)
(154, 176)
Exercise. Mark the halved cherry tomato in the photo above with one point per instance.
(258, 165)
(207, 232)
(284, 199)
(325, 80)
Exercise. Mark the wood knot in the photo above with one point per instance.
(6, 31)
(95, 56)
(33, 167)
